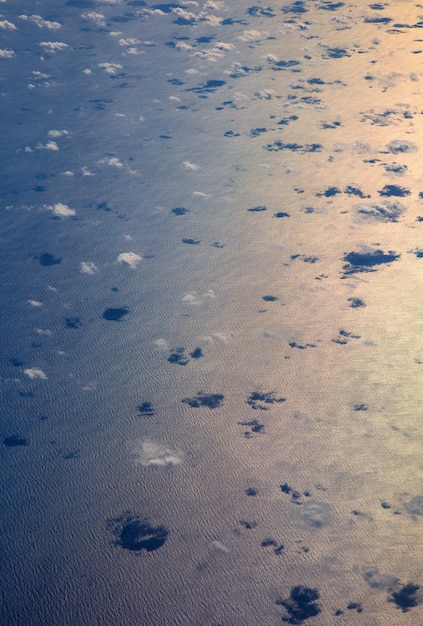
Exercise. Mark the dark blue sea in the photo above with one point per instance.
(211, 313)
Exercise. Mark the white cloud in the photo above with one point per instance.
(87, 71)
(50, 145)
(110, 68)
(252, 35)
(87, 267)
(130, 258)
(35, 372)
(130, 41)
(151, 454)
(68, 173)
(39, 75)
(224, 336)
(41, 22)
(7, 25)
(35, 303)
(112, 162)
(86, 171)
(162, 344)
(6, 53)
(196, 299)
(61, 210)
(219, 547)
(44, 331)
(190, 166)
(97, 18)
(182, 45)
(58, 133)
(53, 45)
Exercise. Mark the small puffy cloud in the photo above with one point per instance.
(190, 166)
(6, 25)
(201, 194)
(219, 547)
(35, 372)
(109, 1)
(41, 22)
(58, 133)
(251, 35)
(6, 53)
(87, 71)
(61, 210)
(50, 145)
(44, 331)
(151, 454)
(97, 18)
(87, 267)
(182, 45)
(110, 68)
(53, 45)
(130, 41)
(196, 299)
(112, 162)
(35, 303)
(130, 258)
(68, 173)
(86, 172)
(161, 344)
(223, 336)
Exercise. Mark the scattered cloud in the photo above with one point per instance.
(61, 210)
(87, 267)
(151, 454)
(190, 166)
(130, 258)
(6, 53)
(58, 133)
(6, 25)
(224, 336)
(97, 18)
(112, 162)
(35, 303)
(220, 547)
(86, 172)
(110, 68)
(52, 46)
(41, 22)
(35, 372)
(50, 145)
(162, 344)
(196, 299)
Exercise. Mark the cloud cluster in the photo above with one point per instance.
(41, 22)
(52, 46)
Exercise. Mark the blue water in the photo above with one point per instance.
(211, 271)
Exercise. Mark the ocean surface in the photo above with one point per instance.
(211, 313)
